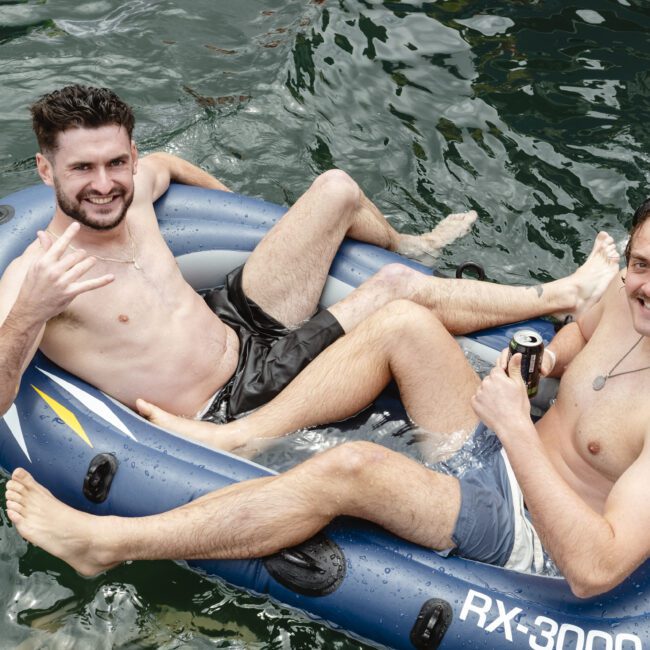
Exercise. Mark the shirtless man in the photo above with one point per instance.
(100, 293)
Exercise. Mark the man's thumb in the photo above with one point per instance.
(514, 366)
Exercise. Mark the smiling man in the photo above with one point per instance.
(100, 292)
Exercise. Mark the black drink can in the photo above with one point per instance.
(530, 345)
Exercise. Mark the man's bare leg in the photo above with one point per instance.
(425, 248)
(249, 519)
(402, 341)
(286, 272)
(477, 305)
(468, 305)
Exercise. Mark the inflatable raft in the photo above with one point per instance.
(99, 456)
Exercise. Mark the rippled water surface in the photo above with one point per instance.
(532, 112)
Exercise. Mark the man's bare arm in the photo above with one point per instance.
(561, 351)
(165, 168)
(19, 338)
(570, 340)
(594, 551)
(35, 288)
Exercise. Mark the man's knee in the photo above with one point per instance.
(350, 462)
(397, 280)
(404, 316)
(338, 187)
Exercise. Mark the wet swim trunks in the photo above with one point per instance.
(270, 355)
(493, 524)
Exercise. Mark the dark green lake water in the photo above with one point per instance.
(532, 112)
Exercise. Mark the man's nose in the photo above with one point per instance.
(102, 182)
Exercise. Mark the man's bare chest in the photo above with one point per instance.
(134, 307)
(607, 412)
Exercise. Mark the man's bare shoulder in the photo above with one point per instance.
(153, 177)
(17, 268)
(615, 298)
(609, 302)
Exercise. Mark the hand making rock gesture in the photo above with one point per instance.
(53, 279)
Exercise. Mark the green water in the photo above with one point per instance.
(532, 112)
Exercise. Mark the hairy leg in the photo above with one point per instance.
(250, 519)
(425, 248)
(467, 305)
(401, 341)
(285, 274)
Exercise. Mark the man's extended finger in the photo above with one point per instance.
(63, 242)
(81, 264)
(89, 285)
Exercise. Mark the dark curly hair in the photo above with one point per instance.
(77, 106)
(640, 217)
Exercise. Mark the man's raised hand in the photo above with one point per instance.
(53, 280)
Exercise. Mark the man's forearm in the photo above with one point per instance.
(566, 344)
(182, 171)
(18, 336)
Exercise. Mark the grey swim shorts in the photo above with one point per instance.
(493, 525)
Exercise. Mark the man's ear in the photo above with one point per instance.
(44, 167)
(134, 157)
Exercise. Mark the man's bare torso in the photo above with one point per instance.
(593, 436)
(147, 334)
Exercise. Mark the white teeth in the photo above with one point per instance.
(99, 201)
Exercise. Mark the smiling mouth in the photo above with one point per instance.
(100, 200)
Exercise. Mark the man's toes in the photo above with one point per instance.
(20, 474)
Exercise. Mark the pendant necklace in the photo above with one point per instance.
(601, 380)
(133, 261)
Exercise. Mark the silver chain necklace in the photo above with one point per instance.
(133, 261)
(601, 380)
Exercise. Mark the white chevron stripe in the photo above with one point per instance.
(13, 422)
(89, 401)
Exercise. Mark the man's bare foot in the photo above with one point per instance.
(426, 247)
(227, 437)
(43, 520)
(590, 280)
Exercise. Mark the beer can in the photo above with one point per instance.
(530, 345)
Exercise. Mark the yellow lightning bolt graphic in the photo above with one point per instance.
(66, 415)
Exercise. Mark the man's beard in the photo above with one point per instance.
(76, 212)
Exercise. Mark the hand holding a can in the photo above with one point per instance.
(501, 401)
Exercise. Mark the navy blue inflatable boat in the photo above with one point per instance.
(98, 456)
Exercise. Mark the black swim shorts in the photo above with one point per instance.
(270, 355)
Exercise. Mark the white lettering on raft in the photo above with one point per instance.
(545, 633)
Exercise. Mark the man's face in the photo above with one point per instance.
(92, 174)
(637, 280)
